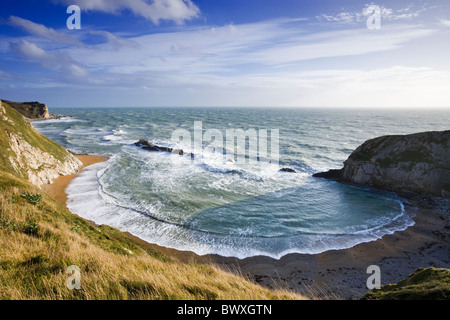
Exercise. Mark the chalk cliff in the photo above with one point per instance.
(27, 153)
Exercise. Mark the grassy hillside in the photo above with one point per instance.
(423, 284)
(38, 242)
(40, 239)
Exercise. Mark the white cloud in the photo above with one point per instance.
(444, 22)
(58, 61)
(389, 14)
(259, 63)
(115, 41)
(339, 44)
(229, 53)
(154, 10)
(30, 50)
(42, 31)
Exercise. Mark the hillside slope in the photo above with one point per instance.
(423, 284)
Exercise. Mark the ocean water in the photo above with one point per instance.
(216, 204)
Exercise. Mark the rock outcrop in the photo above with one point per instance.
(39, 166)
(147, 145)
(31, 110)
(28, 154)
(418, 163)
(287, 170)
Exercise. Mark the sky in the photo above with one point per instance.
(267, 53)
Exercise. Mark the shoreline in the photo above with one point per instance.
(342, 274)
(333, 274)
(57, 189)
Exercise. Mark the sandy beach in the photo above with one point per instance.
(57, 189)
(334, 274)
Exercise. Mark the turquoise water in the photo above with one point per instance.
(214, 205)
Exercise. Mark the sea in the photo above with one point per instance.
(231, 198)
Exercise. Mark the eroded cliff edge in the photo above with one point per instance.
(418, 163)
(31, 110)
(27, 153)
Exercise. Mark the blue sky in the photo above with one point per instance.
(226, 53)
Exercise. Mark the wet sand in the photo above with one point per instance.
(334, 274)
(57, 189)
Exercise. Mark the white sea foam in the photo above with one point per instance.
(216, 206)
(86, 198)
(60, 120)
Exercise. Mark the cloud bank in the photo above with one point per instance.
(154, 10)
(43, 31)
(282, 61)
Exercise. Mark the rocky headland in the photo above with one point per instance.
(34, 110)
(416, 163)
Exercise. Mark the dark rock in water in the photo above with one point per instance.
(418, 163)
(333, 174)
(287, 170)
(147, 145)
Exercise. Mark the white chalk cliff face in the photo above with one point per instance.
(417, 163)
(40, 167)
(30, 161)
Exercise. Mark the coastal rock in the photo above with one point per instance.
(333, 174)
(418, 163)
(40, 167)
(28, 154)
(287, 170)
(31, 110)
(147, 145)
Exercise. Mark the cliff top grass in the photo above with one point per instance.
(414, 152)
(30, 110)
(423, 284)
(39, 240)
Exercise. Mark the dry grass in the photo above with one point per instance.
(33, 263)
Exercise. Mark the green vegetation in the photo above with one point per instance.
(39, 243)
(446, 187)
(408, 156)
(32, 198)
(30, 227)
(30, 110)
(423, 284)
(369, 149)
(413, 156)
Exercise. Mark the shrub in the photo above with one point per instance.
(32, 198)
(31, 228)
